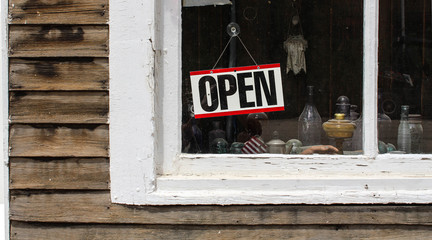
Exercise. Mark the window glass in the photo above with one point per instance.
(404, 96)
(316, 43)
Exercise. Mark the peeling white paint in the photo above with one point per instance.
(370, 77)
(4, 121)
(131, 101)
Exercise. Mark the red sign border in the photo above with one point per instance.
(235, 69)
(239, 112)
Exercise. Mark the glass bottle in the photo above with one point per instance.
(353, 113)
(216, 133)
(404, 132)
(219, 146)
(236, 147)
(309, 122)
(385, 131)
(384, 127)
(357, 139)
(416, 133)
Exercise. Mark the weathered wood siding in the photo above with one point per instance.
(58, 74)
(58, 41)
(58, 11)
(59, 162)
(109, 232)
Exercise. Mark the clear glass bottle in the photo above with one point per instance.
(404, 132)
(309, 122)
(416, 133)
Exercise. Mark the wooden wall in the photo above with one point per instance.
(59, 163)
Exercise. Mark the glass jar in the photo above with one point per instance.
(416, 129)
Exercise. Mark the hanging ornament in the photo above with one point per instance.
(295, 46)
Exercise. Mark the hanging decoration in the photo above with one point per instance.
(295, 45)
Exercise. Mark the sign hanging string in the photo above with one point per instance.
(250, 55)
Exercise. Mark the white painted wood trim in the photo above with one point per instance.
(168, 84)
(132, 99)
(313, 190)
(145, 120)
(370, 77)
(300, 166)
(233, 197)
(4, 112)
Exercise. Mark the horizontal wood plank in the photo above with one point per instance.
(69, 173)
(65, 74)
(58, 141)
(58, 107)
(96, 207)
(58, 41)
(34, 231)
(58, 12)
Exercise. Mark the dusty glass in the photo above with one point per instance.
(405, 57)
(316, 43)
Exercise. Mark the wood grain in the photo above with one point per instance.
(58, 41)
(96, 207)
(69, 173)
(32, 231)
(58, 141)
(51, 210)
(58, 107)
(58, 11)
(66, 74)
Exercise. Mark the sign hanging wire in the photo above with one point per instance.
(233, 29)
(250, 55)
(222, 52)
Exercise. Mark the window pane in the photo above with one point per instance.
(405, 56)
(317, 43)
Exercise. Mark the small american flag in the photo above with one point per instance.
(254, 145)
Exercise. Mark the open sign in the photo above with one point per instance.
(240, 90)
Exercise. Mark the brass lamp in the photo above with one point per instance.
(339, 128)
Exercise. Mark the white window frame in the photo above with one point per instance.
(147, 166)
(4, 120)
